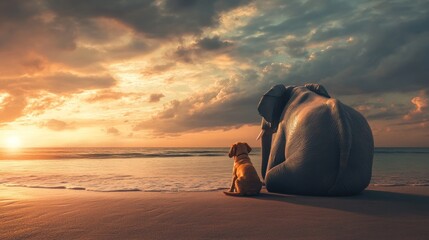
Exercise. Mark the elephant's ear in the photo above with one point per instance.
(317, 88)
(272, 104)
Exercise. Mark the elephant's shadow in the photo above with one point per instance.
(370, 202)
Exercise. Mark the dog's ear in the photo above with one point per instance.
(249, 149)
(232, 150)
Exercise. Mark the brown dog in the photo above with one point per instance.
(245, 180)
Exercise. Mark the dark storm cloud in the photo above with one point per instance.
(202, 48)
(52, 29)
(302, 16)
(386, 51)
(296, 48)
(213, 43)
(387, 114)
(391, 59)
(18, 10)
(159, 19)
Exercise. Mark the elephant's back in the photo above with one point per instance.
(359, 166)
(312, 148)
(314, 129)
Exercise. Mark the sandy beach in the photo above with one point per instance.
(378, 213)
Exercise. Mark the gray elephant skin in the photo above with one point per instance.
(313, 144)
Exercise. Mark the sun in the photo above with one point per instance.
(13, 142)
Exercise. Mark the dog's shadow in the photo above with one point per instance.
(370, 202)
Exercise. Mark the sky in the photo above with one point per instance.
(176, 73)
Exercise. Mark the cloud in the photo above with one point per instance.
(70, 83)
(12, 108)
(28, 95)
(202, 48)
(296, 48)
(83, 35)
(158, 69)
(419, 112)
(156, 19)
(351, 48)
(212, 44)
(421, 104)
(113, 131)
(379, 109)
(225, 105)
(57, 125)
(38, 105)
(385, 113)
(58, 83)
(348, 47)
(155, 97)
(96, 52)
(105, 95)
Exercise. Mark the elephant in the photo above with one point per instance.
(312, 144)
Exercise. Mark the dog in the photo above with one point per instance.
(245, 180)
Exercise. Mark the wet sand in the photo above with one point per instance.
(378, 213)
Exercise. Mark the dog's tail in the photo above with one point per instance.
(235, 194)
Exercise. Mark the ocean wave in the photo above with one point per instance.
(400, 184)
(34, 186)
(110, 153)
(401, 150)
(115, 190)
(389, 184)
(214, 189)
(92, 189)
(167, 189)
(130, 153)
(143, 155)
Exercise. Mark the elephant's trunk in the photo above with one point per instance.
(266, 138)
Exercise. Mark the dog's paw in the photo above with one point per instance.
(232, 193)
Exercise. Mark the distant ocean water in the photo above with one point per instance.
(169, 169)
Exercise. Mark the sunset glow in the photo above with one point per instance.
(141, 74)
(12, 142)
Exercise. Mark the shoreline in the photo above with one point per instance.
(378, 213)
(219, 189)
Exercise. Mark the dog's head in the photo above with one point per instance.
(239, 148)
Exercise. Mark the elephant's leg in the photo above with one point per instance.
(266, 149)
(277, 155)
(296, 176)
(281, 179)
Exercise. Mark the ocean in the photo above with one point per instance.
(169, 169)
